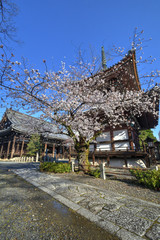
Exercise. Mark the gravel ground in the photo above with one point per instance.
(27, 213)
(121, 185)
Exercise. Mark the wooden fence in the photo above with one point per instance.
(105, 170)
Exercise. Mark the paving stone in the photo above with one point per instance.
(61, 190)
(74, 197)
(155, 209)
(150, 214)
(104, 214)
(110, 195)
(108, 226)
(112, 206)
(133, 204)
(86, 213)
(126, 219)
(50, 186)
(82, 190)
(125, 235)
(77, 199)
(67, 202)
(96, 209)
(120, 214)
(154, 232)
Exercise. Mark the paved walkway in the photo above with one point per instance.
(126, 217)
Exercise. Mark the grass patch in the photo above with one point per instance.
(95, 173)
(55, 167)
(148, 178)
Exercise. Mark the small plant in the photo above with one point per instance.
(95, 173)
(55, 167)
(149, 178)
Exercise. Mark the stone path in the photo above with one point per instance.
(126, 217)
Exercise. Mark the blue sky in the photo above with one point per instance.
(54, 29)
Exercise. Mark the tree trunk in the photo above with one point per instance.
(83, 152)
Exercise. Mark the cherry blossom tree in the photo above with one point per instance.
(8, 11)
(81, 105)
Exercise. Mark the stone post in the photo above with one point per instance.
(37, 156)
(72, 166)
(102, 170)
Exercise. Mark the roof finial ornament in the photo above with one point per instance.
(131, 51)
(104, 66)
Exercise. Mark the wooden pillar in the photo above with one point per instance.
(130, 139)
(17, 148)
(108, 160)
(125, 160)
(13, 147)
(8, 148)
(69, 153)
(22, 148)
(63, 152)
(112, 140)
(93, 157)
(1, 151)
(45, 148)
(147, 160)
(53, 150)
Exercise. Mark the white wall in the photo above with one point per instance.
(117, 136)
(122, 145)
(120, 134)
(104, 147)
(105, 136)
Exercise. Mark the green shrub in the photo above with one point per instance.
(55, 167)
(95, 173)
(149, 178)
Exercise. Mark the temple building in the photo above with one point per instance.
(16, 129)
(122, 142)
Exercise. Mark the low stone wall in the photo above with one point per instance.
(20, 159)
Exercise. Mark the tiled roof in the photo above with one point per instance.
(26, 124)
